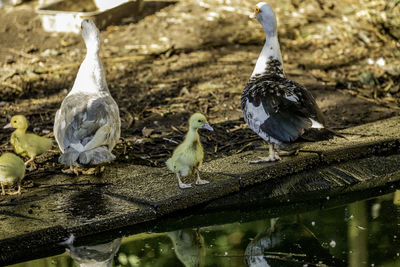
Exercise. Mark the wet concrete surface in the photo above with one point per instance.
(127, 195)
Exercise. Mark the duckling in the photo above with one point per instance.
(87, 125)
(12, 170)
(27, 144)
(188, 156)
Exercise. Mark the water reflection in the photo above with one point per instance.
(98, 255)
(287, 242)
(189, 247)
(362, 233)
(357, 233)
(396, 198)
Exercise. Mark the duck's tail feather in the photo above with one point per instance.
(313, 135)
(335, 133)
(96, 156)
(69, 157)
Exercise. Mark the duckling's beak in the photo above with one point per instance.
(7, 126)
(208, 127)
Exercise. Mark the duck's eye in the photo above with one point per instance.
(15, 121)
(199, 120)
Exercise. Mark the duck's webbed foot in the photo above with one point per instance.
(93, 171)
(199, 181)
(18, 192)
(87, 171)
(71, 170)
(182, 185)
(294, 152)
(273, 156)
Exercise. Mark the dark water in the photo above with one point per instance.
(361, 233)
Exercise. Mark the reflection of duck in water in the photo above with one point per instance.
(189, 247)
(287, 244)
(99, 255)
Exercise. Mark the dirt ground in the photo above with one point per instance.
(188, 56)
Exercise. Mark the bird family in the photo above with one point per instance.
(87, 125)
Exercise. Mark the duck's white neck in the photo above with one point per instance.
(270, 51)
(90, 78)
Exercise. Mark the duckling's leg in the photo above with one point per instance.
(3, 191)
(199, 181)
(182, 185)
(273, 156)
(18, 192)
(32, 163)
(19, 188)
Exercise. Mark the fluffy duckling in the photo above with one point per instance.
(12, 170)
(188, 156)
(87, 125)
(27, 144)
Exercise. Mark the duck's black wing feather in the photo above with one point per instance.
(287, 107)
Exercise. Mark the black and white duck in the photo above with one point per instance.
(277, 109)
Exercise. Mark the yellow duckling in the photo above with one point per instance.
(27, 144)
(188, 156)
(12, 170)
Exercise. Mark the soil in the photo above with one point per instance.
(182, 57)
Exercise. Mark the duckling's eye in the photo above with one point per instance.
(199, 121)
(15, 121)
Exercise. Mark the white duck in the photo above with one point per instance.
(87, 126)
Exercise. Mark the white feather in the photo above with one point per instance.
(316, 124)
(255, 117)
(292, 98)
(271, 50)
(78, 147)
